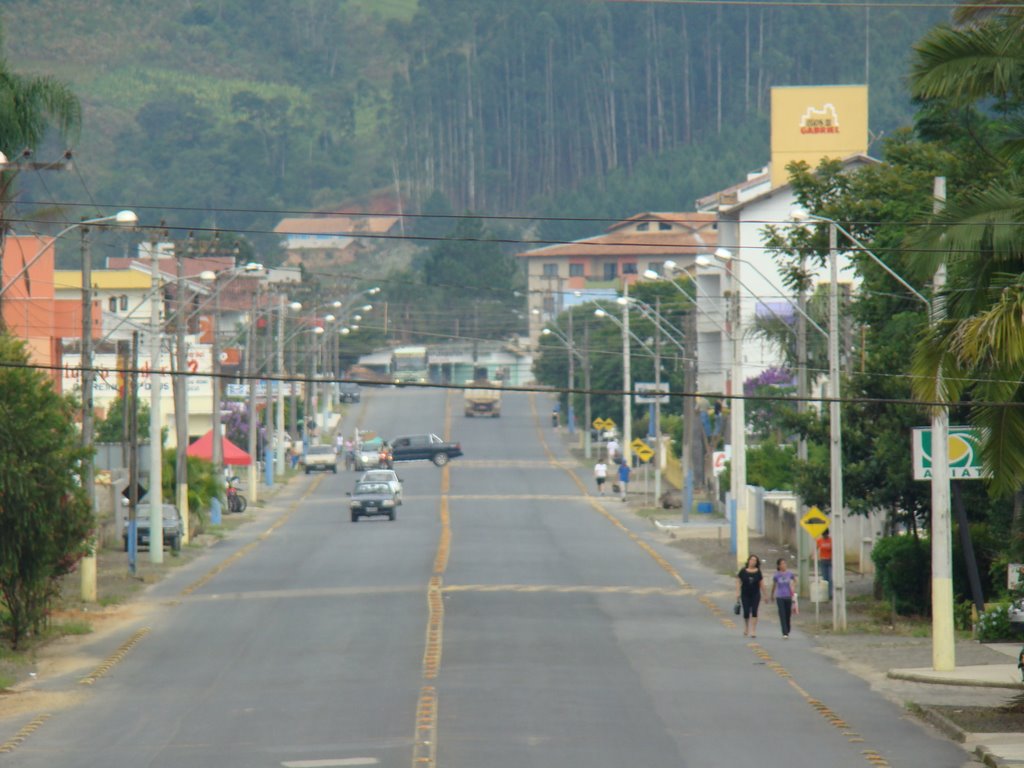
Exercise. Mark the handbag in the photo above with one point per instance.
(736, 608)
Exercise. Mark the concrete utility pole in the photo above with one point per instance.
(217, 450)
(88, 564)
(252, 476)
(155, 495)
(737, 421)
(181, 394)
(943, 634)
(689, 413)
(570, 414)
(627, 381)
(804, 552)
(279, 458)
(131, 404)
(587, 415)
(836, 441)
(657, 402)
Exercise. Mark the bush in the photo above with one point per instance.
(994, 624)
(903, 572)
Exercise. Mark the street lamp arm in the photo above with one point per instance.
(635, 338)
(651, 314)
(889, 270)
(565, 341)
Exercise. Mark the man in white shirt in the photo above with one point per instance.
(600, 475)
(613, 450)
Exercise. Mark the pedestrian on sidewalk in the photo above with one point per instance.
(784, 592)
(749, 591)
(624, 479)
(600, 475)
(824, 545)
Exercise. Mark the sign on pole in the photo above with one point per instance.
(815, 522)
(964, 453)
(603, 425)
(646, 392)
(643, 451)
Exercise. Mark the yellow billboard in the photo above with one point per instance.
(811, 123)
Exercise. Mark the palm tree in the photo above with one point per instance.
(979, 345)
(29, 106)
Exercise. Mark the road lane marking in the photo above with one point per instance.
(115, 657)
(424, 752)
(235, 557)
(329, 763)
(568, 590)
(23, 733)
(512, 463)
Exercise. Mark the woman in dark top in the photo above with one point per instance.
(749, 590)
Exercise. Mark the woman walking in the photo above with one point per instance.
(784, 592)
(749, 590)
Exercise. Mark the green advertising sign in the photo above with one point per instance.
(964, 453)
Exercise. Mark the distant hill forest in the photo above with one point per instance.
(226, 112)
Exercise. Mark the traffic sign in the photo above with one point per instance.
(644, 453)
(647, 392)
(815, 522)
(603, 425)
(637, 444)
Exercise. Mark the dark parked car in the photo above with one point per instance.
(174, 527)
(372, 499)
(429, 447)
(349, 392)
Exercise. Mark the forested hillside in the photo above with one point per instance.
(529, 106)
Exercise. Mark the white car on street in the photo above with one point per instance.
(388, 476)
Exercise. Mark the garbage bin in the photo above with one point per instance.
(705, 507)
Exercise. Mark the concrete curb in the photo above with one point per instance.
(914, 677)
(991, 759)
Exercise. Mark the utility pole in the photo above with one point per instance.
(836, 442)
(155, 495)
(657, 401)
(587, 416)
(804, 552)
(88, 564)
(181, 395)
(251, 342)
(131, 404)
(280, 383)
(570, 414)
(627, 381)
(689, 412)
(217, 450)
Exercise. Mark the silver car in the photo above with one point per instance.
(388, 476)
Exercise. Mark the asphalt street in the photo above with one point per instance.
(507, 618)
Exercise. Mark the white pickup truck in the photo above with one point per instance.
(320, 458)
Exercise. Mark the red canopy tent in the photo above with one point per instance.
(233, 455)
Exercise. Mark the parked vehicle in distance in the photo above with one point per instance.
(372, 499)
(429, 447)
(388, 476)
(320, 458)
(482, 402)
(349, 392)
(173, 525)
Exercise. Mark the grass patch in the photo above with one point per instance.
(73, 627)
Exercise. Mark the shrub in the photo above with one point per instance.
(994, 624)
(903, 572)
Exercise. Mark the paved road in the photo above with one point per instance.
(506, 619)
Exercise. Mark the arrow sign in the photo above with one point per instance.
(815, 522)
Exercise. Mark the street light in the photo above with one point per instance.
(567, 342)
(943, 635)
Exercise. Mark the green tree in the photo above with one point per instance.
(111, 429)
(973, 72)
(44, 515)
(202, 485)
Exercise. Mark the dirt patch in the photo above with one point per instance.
(15, 704)
(1007, 719)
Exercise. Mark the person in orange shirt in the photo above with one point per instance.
(825, 559)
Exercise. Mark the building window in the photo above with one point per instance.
(610, 271)
(664, 226)
(112, 304)
(629, 268)
(550, 270)
(124, 303)
(549, 306)
(575, 270)
(643, 227)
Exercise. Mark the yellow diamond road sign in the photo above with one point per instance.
(638, 444)
(603, 424)
(644, 454)
(815, 522)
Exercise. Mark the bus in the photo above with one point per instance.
(410, 365)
